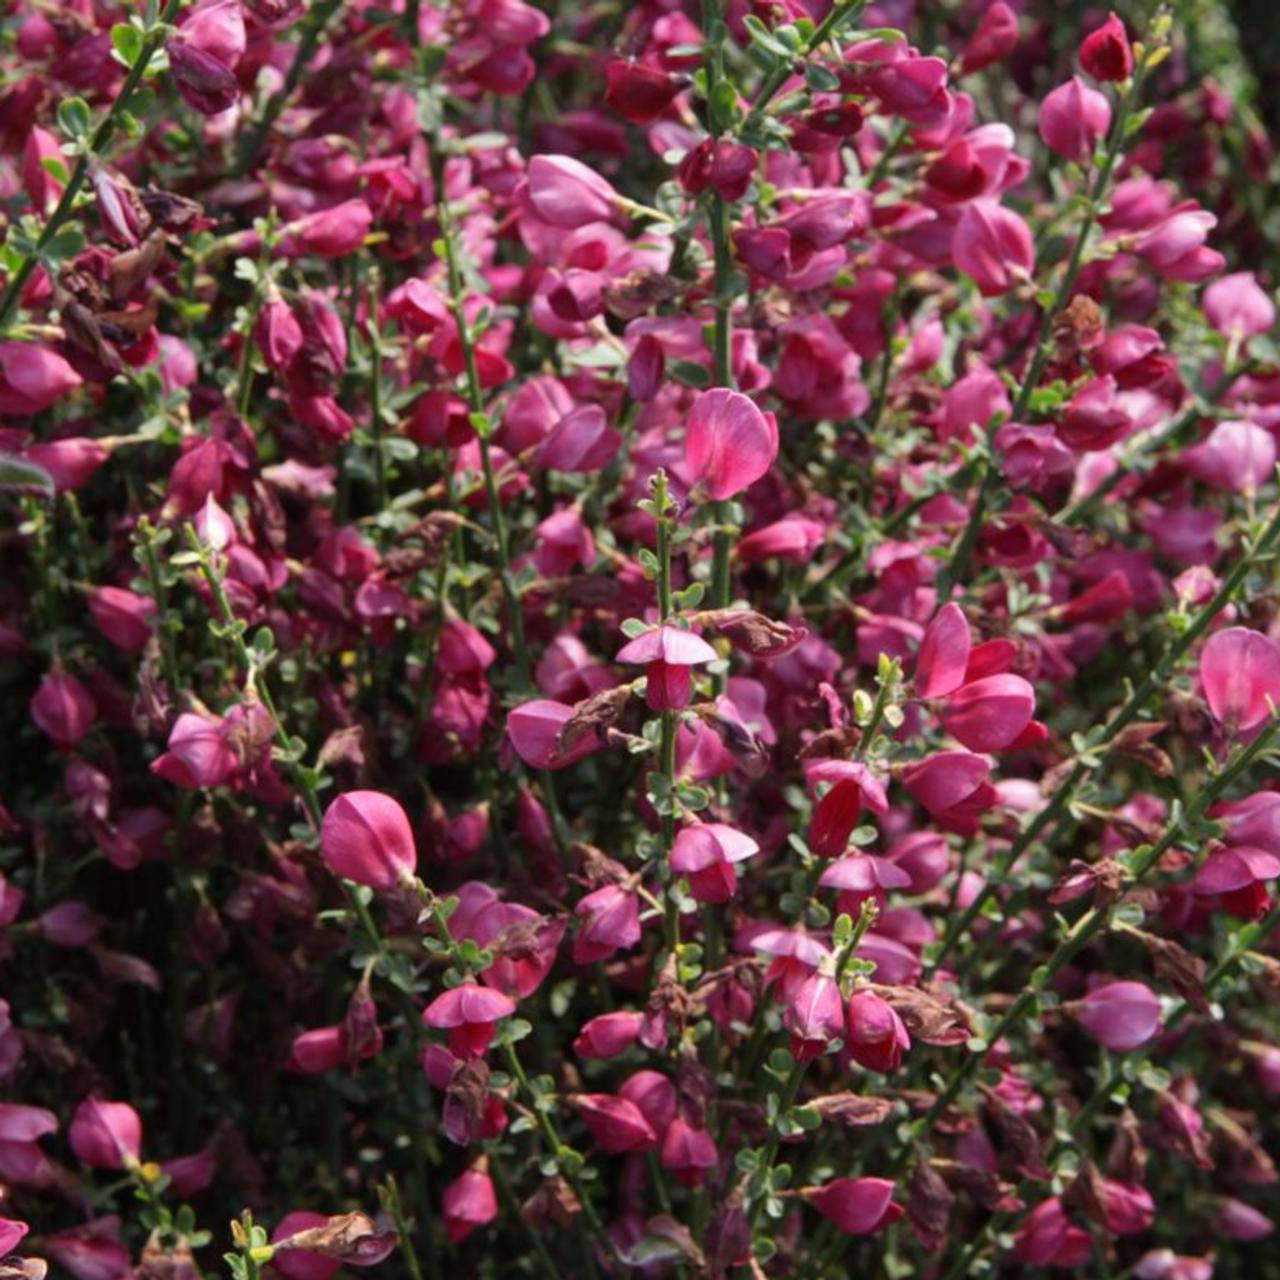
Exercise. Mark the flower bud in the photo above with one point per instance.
(1106, 53)
(1073, 118)
(105, 1135)
(1120, 1015)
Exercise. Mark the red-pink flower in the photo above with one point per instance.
(608, 1034)
(944, 653)
(366, 837)
(669, 654)
(1106, 53)
(708, 853)
(1120, 1015)
(124, 617)
(814, 1016)
(852, 786)
(1073, 118)
(993, 246)
(63, 709)
(469, 1202)
(565, 193)
(617, 1125)
(534, 729)
(1238, 457)
(610, 922)
(729, 443)
(857, 1206)
(877, 1037)
(1240, 672)
(1049, 1238)
(470, 1013)
(1237, 306)
(990, 714)
(105, 1135)
(1237, 875)
(32, 378)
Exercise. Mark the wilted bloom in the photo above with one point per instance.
(1240, 672)
(857, 1206)
(366, 837)
(610, 922)
(63, 710)
(205, 83)
(617, 1125)
(1073, 118)
(638, 92)
(1106, 53)
(567, 194)
(470, 1013)
(993, 246)
(105, 1135)
(1237, 306)
(707, 852)
(1120, 1015)
(301, 1264)
(877, 1037)
(729, 443)
(668, 653)
(534, 729)
(469, 1202)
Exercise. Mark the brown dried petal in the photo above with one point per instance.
(1085, 1199)
(925, 1017)
(929, 1202)
(592, 716)
(1018, 1136)
(1177, 967)
(554, 1203)
(854, 1109)
(348, 1237)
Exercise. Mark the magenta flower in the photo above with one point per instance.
(944, 653)
(610, 922)
(567, 194)
(1237, 875)
(124, 617)
(858, 1206)
(993, 247)
(1073, 118)
(63, 710)
(1240, 674)
(617, 1125)
(366, 837)
(814, 1016)
(105, 1135)
(707, 852)
(688, 1152)
(1048, 1238)
(1238, 457)
(32, 378)
(470, 1013)
(729, 443)
(990, 714)
(608, 1034)
(668, 653)
(469, 1202)
(877, 1037)
(301, 1264)
(1120, 1015)
(1106, 53)
(11, 1232)
(852, 786)
(1237, 306)
(534, 729)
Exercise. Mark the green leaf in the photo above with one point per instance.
(16, 473)
(127, 42)
(74, 117)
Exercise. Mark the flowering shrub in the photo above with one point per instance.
(636, 640)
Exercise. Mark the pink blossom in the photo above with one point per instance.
(1240, 674)
(729, 443)
(366, 837)
(1120, 1015)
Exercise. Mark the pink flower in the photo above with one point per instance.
(668, 654)
(1238, 875)
(729, 443)
(105, 1135)
(990, 714)
(707, 852)
(814, 1016)
(199, 755)
(1049, 1239)
(567, 194)
(994, 40)
(11, 1232)
(858, 1206)
(608, 1034)
(1106, 53)
(218, 30)
(1073, 118)
(1238, 307)
(331, 233)
(32, 378)
(1120, 1015)
(993, 246)
(124, 617)
(301, 1264)
(1238, 457)
(205, 82)
(610, 922)
(534, 729)
(1174, 247)
(688, 1152)
(1240, 673)
(63, 710)
(366, 837)
(582, 441)
(617, 1125)
(944, 653)
(794, 538)
(877, 1037)
(852, 785)
(470, 1013)
(469, 1202)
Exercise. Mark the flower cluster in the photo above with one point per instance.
(636, 640)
